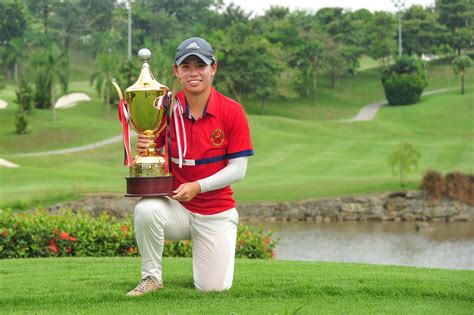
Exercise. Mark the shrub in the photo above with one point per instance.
(433, 184)
(404, 81)
(24, 98)
(454, 185)
(25, 235)
(24, 95)
(42, 95)
(21, 122)
(459, 187)
(254, 242)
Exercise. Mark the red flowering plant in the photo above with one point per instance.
(39, 234)
(62, 244)
(69, 234)
(255, 242)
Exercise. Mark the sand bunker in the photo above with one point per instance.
(6, 163)
(70, 100)
(3, 104)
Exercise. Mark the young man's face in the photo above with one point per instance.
(195, 75)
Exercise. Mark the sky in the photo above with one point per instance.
(259, 6)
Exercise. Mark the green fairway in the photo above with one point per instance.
(301, 151)
(98, 286)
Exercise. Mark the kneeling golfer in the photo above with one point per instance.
(209, 153)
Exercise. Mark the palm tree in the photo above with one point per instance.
(106, 67)
(460, 64)
(53, 64)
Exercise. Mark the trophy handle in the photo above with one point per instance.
(117, 88)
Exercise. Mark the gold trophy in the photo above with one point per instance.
(145, 106)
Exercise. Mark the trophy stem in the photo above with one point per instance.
(151, 147)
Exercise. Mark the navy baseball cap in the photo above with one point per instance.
(196, 46)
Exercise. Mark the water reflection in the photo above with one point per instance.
(438, 245)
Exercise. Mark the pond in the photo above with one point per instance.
(439, 245)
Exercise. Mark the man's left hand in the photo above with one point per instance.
(186, 191)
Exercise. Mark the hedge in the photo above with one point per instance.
(38, 234)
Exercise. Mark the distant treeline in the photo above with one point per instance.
(279, 53)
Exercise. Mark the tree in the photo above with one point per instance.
(105, 25)
(68, 21)
(247, 62)
(344, 29)
(151, 21)
(460, 65)
(281, 29)
(336, 61)
(422, 32)
(312, 60)
(13, 27)
(458, 17)
(41, 11)
(265, 70)
(106, 67)
(53, 66)
(381, 33)
(403, 159)
(24, 98)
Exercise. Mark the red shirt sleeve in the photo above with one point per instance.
(239, 140)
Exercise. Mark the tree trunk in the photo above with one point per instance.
(402, 183)
(53, 103)
(235, 94)
(462, 82)
(315, 84)
(45, 18)
(107, 100)
(15, 72)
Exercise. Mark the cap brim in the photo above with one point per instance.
(201, 56)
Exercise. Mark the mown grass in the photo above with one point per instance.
(98, 286)
(301, 151)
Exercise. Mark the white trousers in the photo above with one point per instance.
(213, 236)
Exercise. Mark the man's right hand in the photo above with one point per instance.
(143, 143)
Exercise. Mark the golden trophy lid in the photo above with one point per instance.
(146, 81)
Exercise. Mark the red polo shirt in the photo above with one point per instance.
(220, 134)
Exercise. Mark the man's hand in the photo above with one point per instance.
(187, 191)
(143, 143)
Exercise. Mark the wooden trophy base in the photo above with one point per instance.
(149, 186)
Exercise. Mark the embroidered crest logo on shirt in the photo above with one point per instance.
(193, 45)
(217, 137)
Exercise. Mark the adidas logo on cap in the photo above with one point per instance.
(193, 45)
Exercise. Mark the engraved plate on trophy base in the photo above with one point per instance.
(149, 186)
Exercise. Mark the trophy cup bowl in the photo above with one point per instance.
(146, 113)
